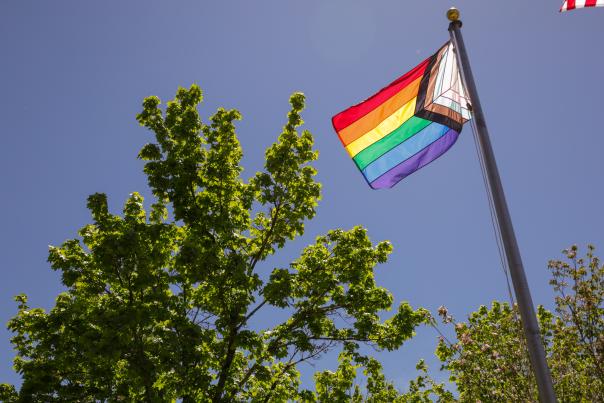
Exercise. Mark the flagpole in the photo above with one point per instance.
(521, 288)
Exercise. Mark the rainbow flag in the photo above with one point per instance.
(407, 124)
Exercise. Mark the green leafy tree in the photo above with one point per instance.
(488, 360)
(342, 385)
(161, 304)
(577, 351)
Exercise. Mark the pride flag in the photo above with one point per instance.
(407, 124)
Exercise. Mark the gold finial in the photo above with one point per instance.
(453, 14)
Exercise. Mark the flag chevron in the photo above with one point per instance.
(407, 124)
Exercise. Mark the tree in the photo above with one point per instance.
(577, 350)
(340, 386)
(160, 304)
(488, 361)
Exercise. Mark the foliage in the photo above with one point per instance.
(578, 350)
(163, 304)
(488, 361)
(339, 386)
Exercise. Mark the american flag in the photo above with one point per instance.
(572, 4)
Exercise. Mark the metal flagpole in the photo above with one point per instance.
(521, 289)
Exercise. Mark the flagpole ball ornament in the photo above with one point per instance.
(453, 14)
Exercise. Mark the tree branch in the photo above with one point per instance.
(244, 321)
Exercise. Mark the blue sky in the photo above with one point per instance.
(74, 73)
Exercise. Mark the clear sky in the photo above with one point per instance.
(73, 75)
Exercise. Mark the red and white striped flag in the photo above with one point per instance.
(572, 4)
